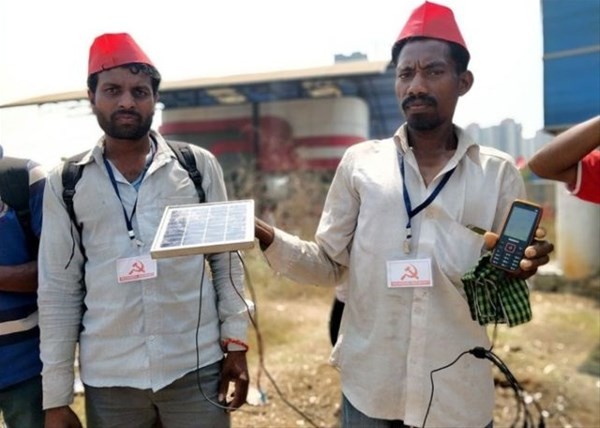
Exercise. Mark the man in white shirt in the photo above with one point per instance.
(394, 228)
(158, 348)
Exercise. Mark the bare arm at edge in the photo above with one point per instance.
(21, 278)
(558, 160)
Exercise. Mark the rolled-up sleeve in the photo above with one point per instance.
(325, 261)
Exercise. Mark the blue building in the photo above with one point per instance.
(571, 62)
(572, 95)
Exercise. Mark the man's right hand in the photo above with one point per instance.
(61, 417)
(264, 232)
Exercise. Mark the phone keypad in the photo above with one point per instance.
(508, 254)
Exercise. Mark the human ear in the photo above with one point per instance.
(465, 82)
(91, 97)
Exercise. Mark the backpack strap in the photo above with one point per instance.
(188, 161)
(71, 173)
(14, 192)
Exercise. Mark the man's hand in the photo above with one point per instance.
(264, 233)
(536, 255)
(235, 370)
(61, 417)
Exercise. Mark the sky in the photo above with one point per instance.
(44, 48)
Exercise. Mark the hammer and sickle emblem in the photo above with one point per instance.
(410, 272)
(137, 267)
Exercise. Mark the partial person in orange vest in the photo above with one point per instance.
(573, 158)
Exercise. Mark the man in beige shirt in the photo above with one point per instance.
(394, 228)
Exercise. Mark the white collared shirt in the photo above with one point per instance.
(393, 338)
(141, 334)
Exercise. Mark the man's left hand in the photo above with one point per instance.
(234, 370)
(536, 255)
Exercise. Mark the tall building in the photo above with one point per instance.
(508, 137)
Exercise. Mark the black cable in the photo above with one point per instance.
(260, 349)
(482, 353)
(432, 385)
(500, 364)
(253, 316)
(259, 341)
(520, 392)
(513, 384)
(198, 382)
(254, 321)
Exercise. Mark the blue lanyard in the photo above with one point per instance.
(128, 219)
(410, 213)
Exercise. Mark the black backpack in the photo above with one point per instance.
(71, 174)
(14, 192)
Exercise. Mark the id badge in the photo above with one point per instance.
(136, 269)
(409, 273)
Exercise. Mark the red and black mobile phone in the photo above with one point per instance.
(517, 233)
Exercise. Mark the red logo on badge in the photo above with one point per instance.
(410, 272)
(137, 267)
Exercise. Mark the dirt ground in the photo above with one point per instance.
(555, 358)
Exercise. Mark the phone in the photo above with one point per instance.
(517, 233)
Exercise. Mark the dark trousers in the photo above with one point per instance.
(182, 404)
(21, 404)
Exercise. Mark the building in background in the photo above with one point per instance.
(275, 123)
(272, 124)
(508, 137)
(571, 95)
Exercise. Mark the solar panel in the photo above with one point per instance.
(204, 228)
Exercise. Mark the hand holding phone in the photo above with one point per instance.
(517, 234)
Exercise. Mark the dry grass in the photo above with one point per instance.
(556, 357)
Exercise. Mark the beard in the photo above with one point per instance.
(130, 131)
(421, 121)
(424, 122)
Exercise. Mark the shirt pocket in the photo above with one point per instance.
(457, 250)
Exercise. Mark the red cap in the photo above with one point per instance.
(433, 21)
(112, 50)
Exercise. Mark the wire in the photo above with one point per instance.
(260, 349)
(253, 315)
(198, 381)
(260, 346)
(519, 391)
(522, 408)
(433, 386)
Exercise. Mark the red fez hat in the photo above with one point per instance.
(112, 50)
(433, 21)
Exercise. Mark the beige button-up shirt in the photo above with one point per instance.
(392, 338)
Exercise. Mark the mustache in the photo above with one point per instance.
(421, 99)
(125, 113)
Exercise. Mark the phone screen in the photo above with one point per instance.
(516, 236)
(520, 223)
